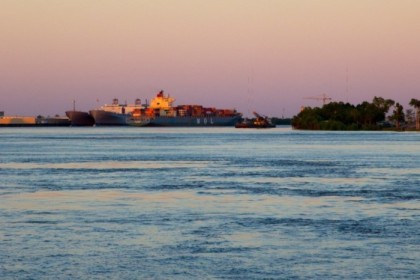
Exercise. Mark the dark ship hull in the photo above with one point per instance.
(78, 118)
(109, 118)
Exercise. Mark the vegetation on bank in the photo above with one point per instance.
(373, 115)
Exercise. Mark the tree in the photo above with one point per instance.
(410, 116)
(383, 104)
(398, 115)
(308, 118)
(370, 114)
(416, 104)
(345, 116)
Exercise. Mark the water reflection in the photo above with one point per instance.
(334, 206)
(217, 203)
(105, 165)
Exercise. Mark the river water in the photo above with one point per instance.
(208, 203)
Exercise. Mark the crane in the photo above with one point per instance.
(322, 97)
(259, 116)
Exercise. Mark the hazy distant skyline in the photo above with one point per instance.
(249, 55)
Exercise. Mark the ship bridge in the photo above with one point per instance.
(161, 101)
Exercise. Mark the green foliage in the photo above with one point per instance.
(398, 115)
(307, 119)
(345, 116)
(416, 104)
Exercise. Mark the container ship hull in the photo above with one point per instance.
(108, 118)
(79, 118)
(103, 118)
(194, 121)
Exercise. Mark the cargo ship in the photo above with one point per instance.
(79, 118)
(115, 113)
(162, 113)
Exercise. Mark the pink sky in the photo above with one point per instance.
(250, 55)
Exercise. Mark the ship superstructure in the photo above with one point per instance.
(115, 113)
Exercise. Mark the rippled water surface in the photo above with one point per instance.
(208, 203)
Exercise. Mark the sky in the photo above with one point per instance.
(253, 55)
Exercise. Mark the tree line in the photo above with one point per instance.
(373, 115)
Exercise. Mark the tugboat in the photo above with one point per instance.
(259, 122)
